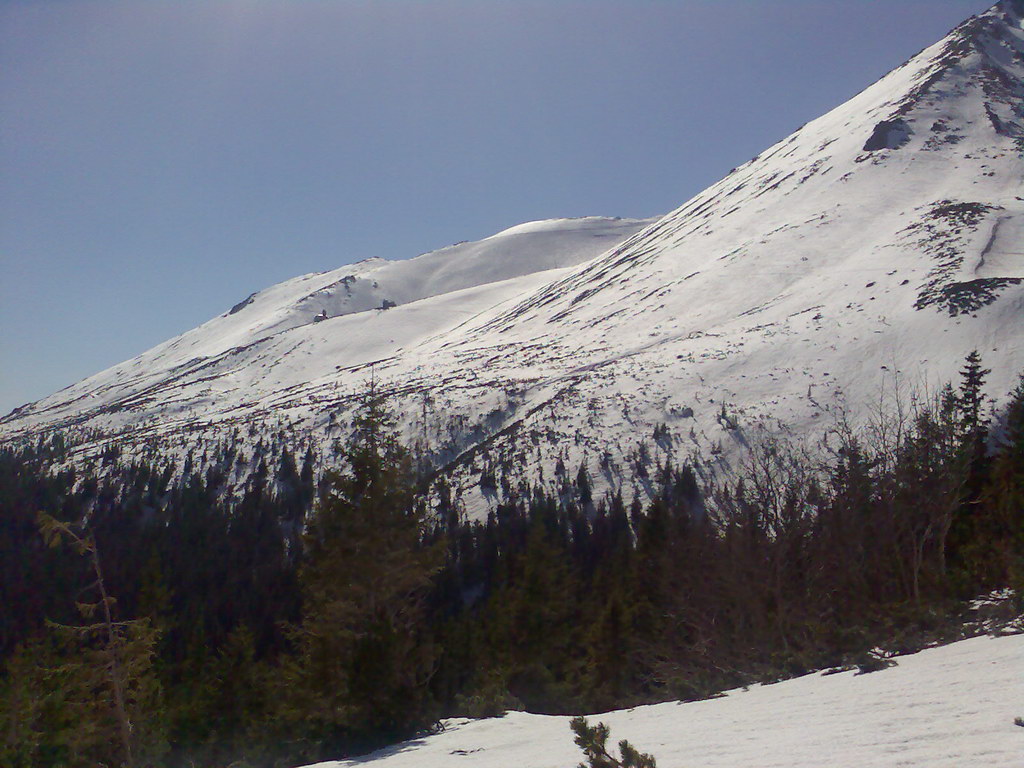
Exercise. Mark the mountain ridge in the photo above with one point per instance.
(784, 297)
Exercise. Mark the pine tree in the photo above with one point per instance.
(236, 703)
(583, 483)
(965, 547)
(997, 552)
(533, 622)
(970, 400)
(34, 715)
(593, 741)
(100, 674)
(363, 664)
(610, 644)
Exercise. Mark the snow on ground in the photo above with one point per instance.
(951, 706)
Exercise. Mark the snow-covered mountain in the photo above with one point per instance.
(874, 247)
(306, 330)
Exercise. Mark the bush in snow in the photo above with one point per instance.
(592, 739)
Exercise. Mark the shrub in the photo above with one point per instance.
(593, 740)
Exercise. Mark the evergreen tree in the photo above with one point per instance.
(364, 659)
(996, 554)
(969, 523)
(532, 623)
(89, 693)
(593, 740)
(583, 484)
(970, 401)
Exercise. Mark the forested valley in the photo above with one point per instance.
(149, 618)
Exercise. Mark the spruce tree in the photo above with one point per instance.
(364, 661)
(93, 685)
(996, 554)
(970, 401)
(583, 484)
(964, 546)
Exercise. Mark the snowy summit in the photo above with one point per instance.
(873, 248)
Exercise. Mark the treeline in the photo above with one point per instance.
(310, 618)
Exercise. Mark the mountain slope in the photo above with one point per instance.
(871, 249)
(265, 325)
(879, 243)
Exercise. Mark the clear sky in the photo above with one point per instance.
(160, 160)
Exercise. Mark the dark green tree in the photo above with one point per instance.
(964, 545)
(533, 623)
(364, 659)
(583, 484)
(87, 694)
(970, 400)
(593, 740)
(996, 553)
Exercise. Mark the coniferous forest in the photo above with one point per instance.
(150, 618)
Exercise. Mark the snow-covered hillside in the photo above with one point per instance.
(951, 706)
(314, 329)
(872, 248)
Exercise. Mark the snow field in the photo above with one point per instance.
(946, 707)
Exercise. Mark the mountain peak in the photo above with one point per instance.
(986, 50)
(1010, 6)
(878, 244)
(1002, 24)
(1004, 14)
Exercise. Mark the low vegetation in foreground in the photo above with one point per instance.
(157, 622)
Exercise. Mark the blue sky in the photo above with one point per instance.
(159, 161)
